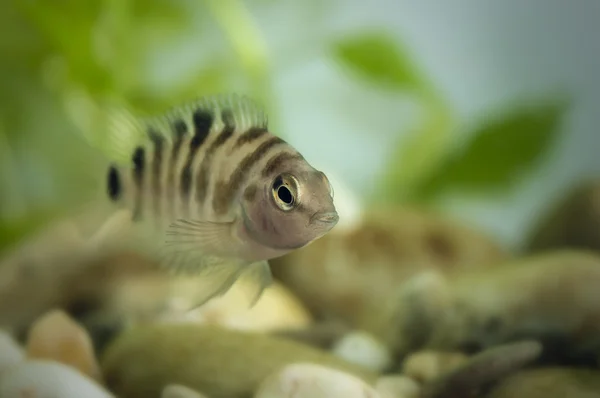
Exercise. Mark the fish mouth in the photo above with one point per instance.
(327, 217)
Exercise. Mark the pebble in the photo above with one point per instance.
(425, 366)
(180, 391)
(48, 379)
(363, 349)
(307, 380)
(397, 386)
(55, 336)
(12, 353)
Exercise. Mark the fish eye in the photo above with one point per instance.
(285, 192)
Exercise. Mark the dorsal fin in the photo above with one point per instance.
(126, 131)
(245, 112)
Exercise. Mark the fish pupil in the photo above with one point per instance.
(285, 195)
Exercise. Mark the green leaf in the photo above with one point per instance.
(376, 57)
(500, 151)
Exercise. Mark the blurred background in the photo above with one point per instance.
(484, 110)
(461, 138)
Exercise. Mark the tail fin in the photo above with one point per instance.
(107, 124)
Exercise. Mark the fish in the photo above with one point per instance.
(214, 192)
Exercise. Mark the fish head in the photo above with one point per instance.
(289, 208)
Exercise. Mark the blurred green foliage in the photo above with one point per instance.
(380, 60)
(426, 165)
(377, 57)
(500, 150)
(60, 58)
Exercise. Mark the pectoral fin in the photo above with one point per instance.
(186, 239)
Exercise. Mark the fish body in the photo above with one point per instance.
(214, 190)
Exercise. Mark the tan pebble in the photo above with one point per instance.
(29, 277)
(55, 336)
(179, 391)
(571, 222)
(277, 308)
(397, 387)
(307, 380)
(12, 353)
(363, 349)
(217, 361)
(425, 366)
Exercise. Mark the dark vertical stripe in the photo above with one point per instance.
(114, 185)
(227, 131)
(249, 136)
(179, 130)
(225, 191)
(227, 118)
(202, 179)
(158, 142)
(250, 192)
(139, 165)
(203, 121)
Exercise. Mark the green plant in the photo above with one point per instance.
(500, 150)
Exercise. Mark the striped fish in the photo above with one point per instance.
(215, 191)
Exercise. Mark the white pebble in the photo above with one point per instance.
(48, 379)
(306, 380)
(11, 352)
(363, 349)
(180, 391)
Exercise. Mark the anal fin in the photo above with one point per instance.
(259, 277)
(203, 255)
(210, 276)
